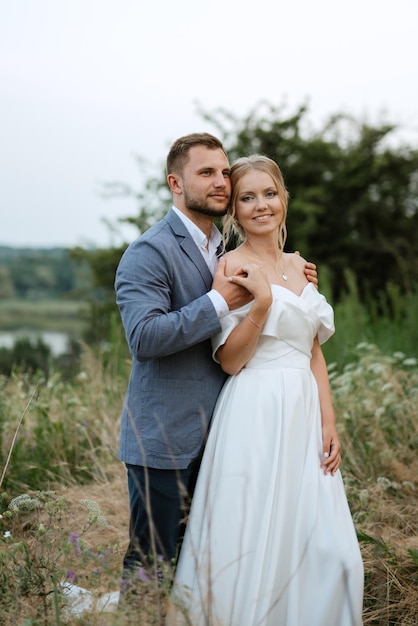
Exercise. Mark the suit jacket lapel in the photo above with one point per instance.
(189, 247)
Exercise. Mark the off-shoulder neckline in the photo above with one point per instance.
(298, 295)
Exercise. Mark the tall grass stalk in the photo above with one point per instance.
(6, 465)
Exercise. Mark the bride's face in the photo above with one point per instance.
(258, 207)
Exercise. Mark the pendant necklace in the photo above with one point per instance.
(283, 275)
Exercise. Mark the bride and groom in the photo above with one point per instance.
(270, 538)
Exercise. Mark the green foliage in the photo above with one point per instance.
(353, 196)
(35, 358)
(388, 321)
(59, 315)
(26, 354)
(100, 304)
(375, 397)
(33, 272)
(353, 202)
(61, 439)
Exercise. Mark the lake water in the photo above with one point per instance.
(57, 342)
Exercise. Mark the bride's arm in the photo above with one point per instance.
(330, 440)
(242, 342)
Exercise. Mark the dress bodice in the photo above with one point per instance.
(291, 326)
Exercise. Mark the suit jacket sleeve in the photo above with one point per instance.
(161, 288)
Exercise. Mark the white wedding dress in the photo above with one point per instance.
(270, 539)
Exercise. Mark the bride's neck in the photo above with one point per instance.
(264, 249)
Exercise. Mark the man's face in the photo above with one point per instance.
(205, 182)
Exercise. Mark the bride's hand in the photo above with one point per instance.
(332, 453)
(253, 278)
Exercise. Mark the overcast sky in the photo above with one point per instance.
(88, 84)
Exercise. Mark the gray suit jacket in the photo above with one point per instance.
(161, 286)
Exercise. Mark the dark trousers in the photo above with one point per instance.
(159, 502)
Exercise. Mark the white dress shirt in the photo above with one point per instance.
(208, 248)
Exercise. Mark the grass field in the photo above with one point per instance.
(49, 315)
(73, 523)
(66, 447)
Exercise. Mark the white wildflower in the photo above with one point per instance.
(376, 368)
(391, 398)
(102, 522)
(95, 514)
(364, 345)
(364, 496)
(388, 484)
(387, 386)
(24, 501)
(367, 404)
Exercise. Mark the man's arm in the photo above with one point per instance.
(154, 326)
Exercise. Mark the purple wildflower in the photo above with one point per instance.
(74, 539)
(71, 576)
(142, 575)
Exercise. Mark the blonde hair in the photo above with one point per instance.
(232, 230)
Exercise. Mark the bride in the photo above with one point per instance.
(270, 539)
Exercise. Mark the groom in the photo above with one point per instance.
(172, 293)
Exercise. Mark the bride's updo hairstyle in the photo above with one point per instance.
(232, 231)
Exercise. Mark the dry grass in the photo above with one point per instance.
(376, 403)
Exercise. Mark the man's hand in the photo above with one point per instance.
(310, 272)
(234, 295)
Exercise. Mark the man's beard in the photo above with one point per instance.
(201, 207)
(205, 210)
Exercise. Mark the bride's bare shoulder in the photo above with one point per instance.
(234, 261)
(295, 260)
(295, 265)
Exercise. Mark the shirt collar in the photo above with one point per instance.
(198, 235)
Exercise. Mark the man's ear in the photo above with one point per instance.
(174, 182)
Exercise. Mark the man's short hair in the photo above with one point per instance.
(179, 151)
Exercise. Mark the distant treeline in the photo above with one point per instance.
(36, 273)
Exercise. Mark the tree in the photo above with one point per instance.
(99, 293)
(353, 198)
